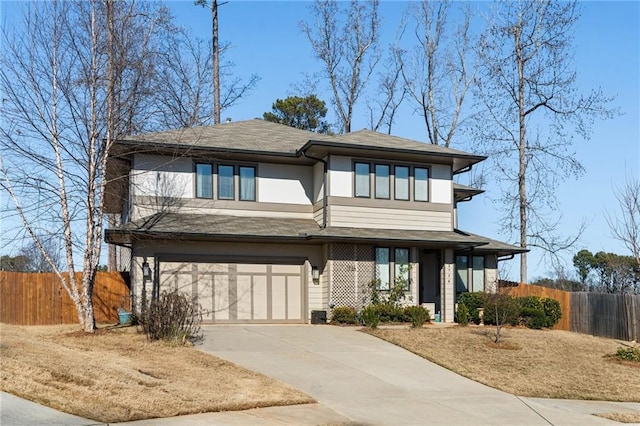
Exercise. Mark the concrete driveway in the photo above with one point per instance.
(373, 382)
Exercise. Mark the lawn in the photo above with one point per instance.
(537, 363)
(117, 375)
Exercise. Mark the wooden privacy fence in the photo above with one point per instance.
(533, 290)
(608, 315)
(616, 316)
(39, 298)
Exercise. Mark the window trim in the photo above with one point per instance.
(375, 180)
(395, 182)
(211, 176)
(355, 175)
(255, 183)
(392, 267)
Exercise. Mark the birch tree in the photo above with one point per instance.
(437, 71)
(532, 111)
(72, 82)
(346, 42)
(625, 226)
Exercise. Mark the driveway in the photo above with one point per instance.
(374, 382)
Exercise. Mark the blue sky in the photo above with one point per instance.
(266, 40)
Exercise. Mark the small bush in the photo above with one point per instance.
(530, 302)
(173, 318)
(552, 310)
(388, 312)
(473, 301)
(501, 309)
(344, 315)
(370, 316)
(629, 354)
(462, 314)
(533, 318)
(417, 315)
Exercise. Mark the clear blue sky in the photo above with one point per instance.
(266, 40)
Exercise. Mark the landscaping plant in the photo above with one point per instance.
(344, 315)
(462, 314)
(417, 315)
(172, 317)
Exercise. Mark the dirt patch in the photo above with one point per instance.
(548, 363)
(116, 375)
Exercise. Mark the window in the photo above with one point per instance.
(469, 273)
(382, 181)
(420, 184)
(401, 259)
(225, 183)
(401, 183)
(362, 180)
(390, 270)
(247, 183)
(383, 268)
(204, 181)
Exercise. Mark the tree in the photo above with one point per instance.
(583, 262)
(347, 48)
(74, 77)
(436, 70)
(532, 109)
(19, 263)
(626, 227)
(382, 110)
(302, 113)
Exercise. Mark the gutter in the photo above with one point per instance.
(324, 186)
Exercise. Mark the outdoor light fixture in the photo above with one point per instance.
(146, 271)
(315, 274)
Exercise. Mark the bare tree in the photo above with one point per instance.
(436, 70)
(626, 227)
(348, 48)
(72, 82)
(532, 110)
(382, 111)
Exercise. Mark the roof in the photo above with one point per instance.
(494, 246)
(223, 227)
(464, 192)
(264, 137)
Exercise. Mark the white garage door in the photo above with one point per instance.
(239, 292)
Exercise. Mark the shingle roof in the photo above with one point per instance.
(494, 246)
(216, 227)
(462, 192)
(259, 136)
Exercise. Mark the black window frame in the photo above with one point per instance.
(197, 186)
(392, 255)
(255, 183)
(233, 183)
(355, 179)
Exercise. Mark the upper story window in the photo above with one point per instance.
(247, 183)
(420, 184)
(382, 181)
(225, 183)
(401, 190)
(204, 180)
(362, 181)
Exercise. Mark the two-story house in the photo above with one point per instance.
(261, 222)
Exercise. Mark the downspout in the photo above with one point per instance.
(324, 187)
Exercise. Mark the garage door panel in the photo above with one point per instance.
(206, 294)
(221, 297)
(278, 297)
(260, 302)
(286, 269)
(250, 268)
(294, 308)
(243, 298)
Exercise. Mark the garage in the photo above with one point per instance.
(267, 291)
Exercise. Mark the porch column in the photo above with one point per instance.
(447, 290)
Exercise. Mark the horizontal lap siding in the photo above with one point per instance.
(383, 218)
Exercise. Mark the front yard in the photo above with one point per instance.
(116, 375)
(537, 363)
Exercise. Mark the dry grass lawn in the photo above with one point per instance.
(117, 375)
(535, 363)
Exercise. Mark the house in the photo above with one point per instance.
(265, 223)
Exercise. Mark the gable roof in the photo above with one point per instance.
(264, 137)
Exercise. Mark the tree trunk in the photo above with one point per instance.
(522, 144)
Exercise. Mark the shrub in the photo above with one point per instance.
(173, 318)
(629, 354)
(530, 302)
(533, 318)
(473, 301)
(388, 312)
(462, 314)
(344, 315)
(417, 315)
(370, 316)
(552, 311)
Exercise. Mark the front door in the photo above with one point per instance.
(430, 280)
